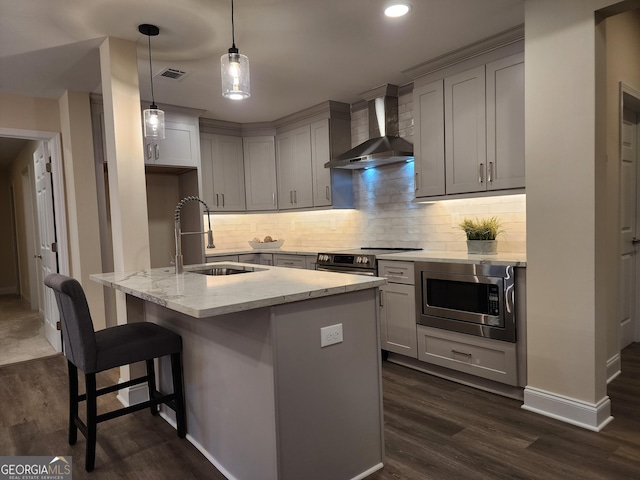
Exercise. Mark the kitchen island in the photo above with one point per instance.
(264, 399)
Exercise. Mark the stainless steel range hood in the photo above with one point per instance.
(384, 145)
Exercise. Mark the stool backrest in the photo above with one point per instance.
(77, 326)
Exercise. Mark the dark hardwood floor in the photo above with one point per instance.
(434, 429)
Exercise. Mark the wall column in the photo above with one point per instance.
(567, 293)
(81, 194)
(125, 161)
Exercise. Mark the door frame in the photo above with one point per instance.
(57, 180)
(630, 98)
(57, 177)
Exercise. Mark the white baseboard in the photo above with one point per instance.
(200, 448)
(133, 395)
(582, 414)
(9, 290)
(614, 367)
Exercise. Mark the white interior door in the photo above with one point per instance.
(47, 239)
(629, 226)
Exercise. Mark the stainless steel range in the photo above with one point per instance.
(362, 261)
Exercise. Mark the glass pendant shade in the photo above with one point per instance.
(235, 75)
(153, 123)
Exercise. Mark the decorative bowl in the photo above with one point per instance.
(275, 244)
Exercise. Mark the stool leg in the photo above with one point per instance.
(151, 382)
(73, 402)
(90, 456)
(176, 374)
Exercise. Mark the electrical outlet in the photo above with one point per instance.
(253, 227)
(333, 224)
(330, 335)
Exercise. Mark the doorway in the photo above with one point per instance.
(55, 222)
(629, 307)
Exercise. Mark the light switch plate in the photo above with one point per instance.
(330, 335)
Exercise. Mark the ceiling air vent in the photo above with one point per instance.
(172, 73)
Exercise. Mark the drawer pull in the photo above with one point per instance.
(461, 353)
(399, 274)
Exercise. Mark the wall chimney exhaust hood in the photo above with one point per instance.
(384, 145)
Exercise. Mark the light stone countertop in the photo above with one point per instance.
(203, 296)
(506, 259)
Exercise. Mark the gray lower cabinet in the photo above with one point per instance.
(256, 258)
(398, 308)
(221, 258)
(491, 359)
(289, 260)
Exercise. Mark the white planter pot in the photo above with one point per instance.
(482, 247)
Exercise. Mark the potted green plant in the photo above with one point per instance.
(481, 235)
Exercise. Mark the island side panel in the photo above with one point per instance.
(229, 391)
(328, 400)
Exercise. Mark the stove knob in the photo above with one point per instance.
(365, 260)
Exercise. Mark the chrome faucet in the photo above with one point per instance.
(179, 232)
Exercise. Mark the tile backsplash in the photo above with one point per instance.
(384, 216)
(384, 213)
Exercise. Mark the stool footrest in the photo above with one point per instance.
(116, 387)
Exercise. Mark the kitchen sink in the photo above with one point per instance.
(215, 271)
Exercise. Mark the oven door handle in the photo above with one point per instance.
(352, 271)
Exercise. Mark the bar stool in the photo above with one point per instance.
(94, 352)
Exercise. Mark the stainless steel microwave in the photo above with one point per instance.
(477, 299)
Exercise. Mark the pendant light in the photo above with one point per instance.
(235, 70)
(153, 117)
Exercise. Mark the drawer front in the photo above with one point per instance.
(491, 359)
(396, 272)
(291, 261)
(222, 258)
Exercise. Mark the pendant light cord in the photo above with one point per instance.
(233, 28)
(153, 100)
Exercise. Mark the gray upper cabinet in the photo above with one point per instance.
(222, 172)
(179, 148)
(469, 130)
(260, 173)
(293, 163)
(505, 123)
(321, 154)
(465, 131)
(428, 138)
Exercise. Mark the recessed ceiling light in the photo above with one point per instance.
(397, 9)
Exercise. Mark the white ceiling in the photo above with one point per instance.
(301, 52)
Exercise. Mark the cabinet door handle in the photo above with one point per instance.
(415, 182)
(381, 297)
(295, 196)
(149, 151)
(326, 190)
(223, 199)
(490, 173)
(397, 274)
(217, 203)
(480, 173)
(291, 196)
(157, 149)
(273, 197)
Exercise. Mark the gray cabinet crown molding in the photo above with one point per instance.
(512, 36)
